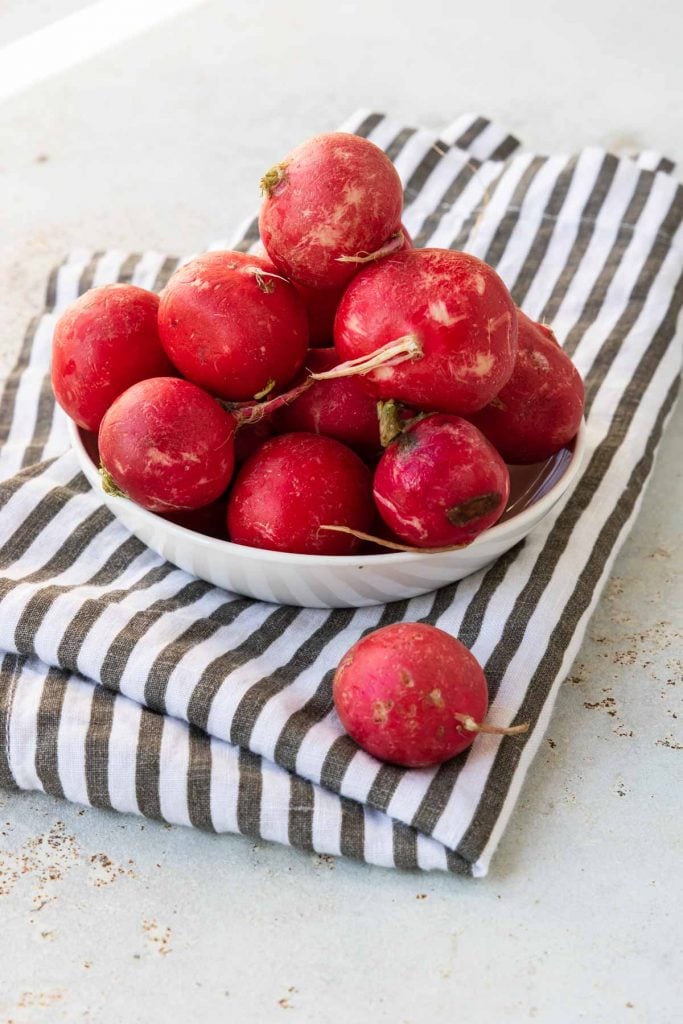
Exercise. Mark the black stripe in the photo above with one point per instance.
(199, 780)
(89, 612)
(301, 802)
(97, 747)
(504, 149)
(39, 518)
(405, 846)
(258, 695)
(10, 487)
(508, 221)
(148, 764)
(123, 644)
(47, 732)
(249, 793)
(9, 393)
(584, 236)
(665, 165)
(367, 126)
(398, 143)
(10, 672)
(199, 631)
(352, 836)
(476, 128)
(216, 673)
(168, 267)
(509, 752)
(450, 195)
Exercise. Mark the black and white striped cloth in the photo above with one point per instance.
(127, 684)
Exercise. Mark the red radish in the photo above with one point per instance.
(249, 438)
(448, 311)
(322, 303)
(167, 445)
(412, 695)
(341, 408)
(331, 203)
(103, 343)
(540, 408)
(233, 325)
(440, 483)
(294, 484)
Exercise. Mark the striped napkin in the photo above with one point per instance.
(127, 684)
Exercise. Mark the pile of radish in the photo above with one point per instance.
(367, 392)
(335, 392)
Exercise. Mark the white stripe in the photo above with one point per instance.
(25, 499)
(378, 838)
(326, 822)
(78, 37)
(174, 762)
(275, 804)
(73, 729)
(121, 767)
(225, 778)
(23, 725)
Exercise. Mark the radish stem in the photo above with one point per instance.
(393, 244)
(469, 723)
(407, 347)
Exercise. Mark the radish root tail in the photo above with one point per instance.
(469, 723)
(392, 244)
(253, 412)
(407, 347)
(392, 545)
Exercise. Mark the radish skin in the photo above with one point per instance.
(337, 196)
(231, 324)
(167, 445)
(294, 484)
(398, 691)
(440, 483)
(539, 410)
(459, 316)
(104, 342)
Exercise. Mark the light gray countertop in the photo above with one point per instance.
(159, 143)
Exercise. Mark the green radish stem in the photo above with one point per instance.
(109, 485)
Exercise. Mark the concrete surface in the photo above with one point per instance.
(105, 919)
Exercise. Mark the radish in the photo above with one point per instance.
(294, 484)
(430, 327)
(103, 343)
(341, 408)
(412, 695)
(332, 204)
(233, 325)
(322, 304)
(440, 482)
(167, 445)
(539, 410)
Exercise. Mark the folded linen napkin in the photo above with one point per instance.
(127, 684)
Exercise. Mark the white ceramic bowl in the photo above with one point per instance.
(317, 581)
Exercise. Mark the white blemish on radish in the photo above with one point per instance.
(440, 315)
(479, 283)
(155, 457)
(384, 373)
(409, 521)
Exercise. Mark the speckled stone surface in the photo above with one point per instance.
(107, 919)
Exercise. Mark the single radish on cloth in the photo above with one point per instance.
(440, 482)
(293, 485)
(322, 304)
(412, 695)
(333, 203)
(341, 408)
(539, 410)
(103, 343)
(430, 327)
(167, 445)
(232, 325)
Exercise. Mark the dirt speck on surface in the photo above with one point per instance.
(158, 937)
(104, 871)
(325, 860)
(669, 742)
(285, 1003)
(27, 1000)
(44, 859)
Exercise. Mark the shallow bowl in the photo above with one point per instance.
(347, 581)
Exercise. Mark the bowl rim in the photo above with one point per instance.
(521, 521)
